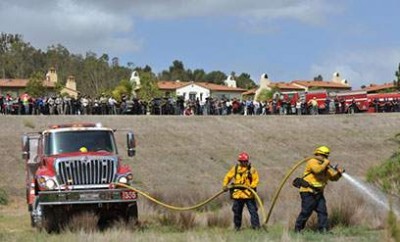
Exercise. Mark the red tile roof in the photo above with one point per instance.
(170, 85)
(13, 82)
(216, 87)
(250, 92)
(323, 84)
(376, 87)
(21, 83)
(286, 86)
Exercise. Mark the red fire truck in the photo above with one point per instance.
(383, 102)
(73, 168)
(353, 101)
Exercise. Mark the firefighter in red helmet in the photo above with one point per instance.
(243, 174)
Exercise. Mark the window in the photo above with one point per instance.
(192, 96)
(71, 141)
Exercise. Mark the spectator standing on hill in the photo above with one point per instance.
(59, 102)
(243, 174)
(317, 173)
(313, 105)
(298, 107)
(2, 106)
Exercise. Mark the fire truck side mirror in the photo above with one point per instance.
(131, 144)
(25, 147)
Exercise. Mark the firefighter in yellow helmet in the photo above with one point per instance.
(243, 174)
(317, 173)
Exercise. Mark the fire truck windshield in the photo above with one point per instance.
(72, 141)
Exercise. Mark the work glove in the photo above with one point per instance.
(225, 188)
(339, 169)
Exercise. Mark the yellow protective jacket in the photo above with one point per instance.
(242, 175)
(317, 173)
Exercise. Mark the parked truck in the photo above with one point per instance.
(74, 168)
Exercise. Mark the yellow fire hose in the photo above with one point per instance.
(196, 206)
(276, 195)
(258, 199)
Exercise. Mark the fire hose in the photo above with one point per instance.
(258, 199)
(196, 206)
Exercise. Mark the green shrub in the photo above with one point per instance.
(386, 175)
(3, 197)
(393, 226)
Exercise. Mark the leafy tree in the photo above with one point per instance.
(199, 75)
(176, 72)
(6, 41)
(244, 81)
(124, 87)
(217, 77)
(149, 88)
(318, 78)
(35, 86)
(58, 57)
(398, 78)
(146, 68)
(95, 72)
(267, 94)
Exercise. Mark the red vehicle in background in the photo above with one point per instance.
(319, 95)
(352, 101)
(383, 102)
(338, 102)
(305, 97)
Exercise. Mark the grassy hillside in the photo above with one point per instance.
(182, 159)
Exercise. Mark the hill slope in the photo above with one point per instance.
(197, 151)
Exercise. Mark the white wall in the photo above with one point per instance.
(199, 92)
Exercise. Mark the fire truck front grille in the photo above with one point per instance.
(86, 170)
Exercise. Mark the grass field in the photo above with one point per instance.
(183, 160)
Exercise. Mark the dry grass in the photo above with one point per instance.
(182, 161)
(86, 222)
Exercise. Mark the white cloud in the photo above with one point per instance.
(78, 27)
(105, 25)
(361, 67)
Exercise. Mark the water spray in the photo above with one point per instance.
(378, 197)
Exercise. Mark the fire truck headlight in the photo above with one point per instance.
(50, 184)
(123, 180)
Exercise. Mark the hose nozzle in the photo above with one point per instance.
(338, 168)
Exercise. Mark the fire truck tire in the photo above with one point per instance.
(50, 222)
(132, 214)
(32, 221)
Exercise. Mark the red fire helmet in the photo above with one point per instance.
(243, 157)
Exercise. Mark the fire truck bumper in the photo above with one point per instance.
(87, 196)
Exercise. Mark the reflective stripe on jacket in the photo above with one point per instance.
(244, 176)
(317, 173)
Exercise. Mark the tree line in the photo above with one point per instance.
(94, 73)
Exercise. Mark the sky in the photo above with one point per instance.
(286, 39)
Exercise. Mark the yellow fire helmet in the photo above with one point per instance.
(322, 150)
(83, 149)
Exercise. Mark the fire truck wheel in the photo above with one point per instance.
(32, 221)
(132, 213)
(50, 222)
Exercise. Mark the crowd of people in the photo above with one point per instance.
(107, 105)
